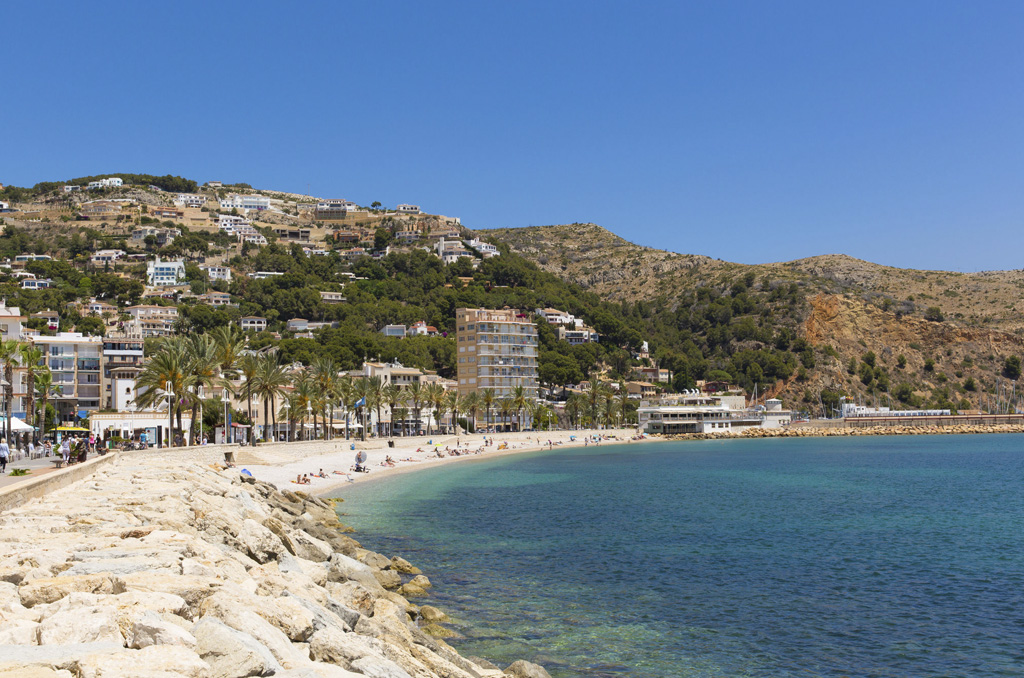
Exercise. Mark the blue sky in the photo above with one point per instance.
(746, 131)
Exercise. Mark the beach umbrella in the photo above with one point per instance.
(361, 457)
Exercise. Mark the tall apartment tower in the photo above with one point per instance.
(496, 349)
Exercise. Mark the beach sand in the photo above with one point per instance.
(412, 453)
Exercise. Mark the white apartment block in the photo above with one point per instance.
(334, 209)
(217, 273)
(165, 273)
(408, 209)
(190, 200)
(245, 202)
(555, 317)
(230, 223)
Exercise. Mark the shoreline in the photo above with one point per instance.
(411, 454)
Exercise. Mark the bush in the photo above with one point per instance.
(934, 313)
(1011, 367)
(929, 365)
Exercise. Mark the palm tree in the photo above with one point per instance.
(433, 396)
(168, 367)
(248, 366)
(204, 366)
(505, 409)
(271, 378)
(454, 402)
(394, 396)
(362, 393)
(472, 404)
(229, 341)
(375, 386)
(10, 351)
(594, 394)
(416, 394)
(44, 387)
(325, 376)
(574, 406)
(347, 393)
(488, 398)
(33, 358)
(304, 398)
(623, 401)
(519, 402)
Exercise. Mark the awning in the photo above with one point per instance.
(234, 425)
(72, 428)
(17, 425)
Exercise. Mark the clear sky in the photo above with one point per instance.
(746, 131)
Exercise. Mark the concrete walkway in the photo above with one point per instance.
(36, 467)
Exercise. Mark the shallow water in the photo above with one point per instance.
(895, 556)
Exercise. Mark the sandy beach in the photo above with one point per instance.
(410, 454)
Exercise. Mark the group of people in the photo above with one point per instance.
(69, 448)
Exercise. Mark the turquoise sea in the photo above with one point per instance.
(885, 556)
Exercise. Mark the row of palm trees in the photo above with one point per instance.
(310, 400)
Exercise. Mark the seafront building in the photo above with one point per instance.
(698, 412)
(497, 349)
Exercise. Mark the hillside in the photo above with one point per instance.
(810, 331)
(607, 264)
(858, 317)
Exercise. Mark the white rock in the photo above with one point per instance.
(310, 548)
(156, 661)
(262, 544)
(81, 625)
(231, 653)
(51, 589)
(379, 668)
(19, 632)
(149, 628)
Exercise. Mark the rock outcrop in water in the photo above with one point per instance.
(151, 570)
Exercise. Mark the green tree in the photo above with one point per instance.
(1011, 367)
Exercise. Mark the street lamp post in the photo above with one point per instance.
(288, 421)
(309, 414)
(169, 394)
(224, 397)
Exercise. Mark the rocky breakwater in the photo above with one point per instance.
(151, 570)
(812, 432)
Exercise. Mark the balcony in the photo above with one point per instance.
(89, 365)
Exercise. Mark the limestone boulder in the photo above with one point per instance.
(411, 590)
(421, 581)
(404, 566)
(96, 624)
(56, 657)
(289, 615)
(525, 669)
(432, 614)
(373, 559)
(311, 548)
(389, 579)
(149, 628)
(19, 632)
(259, 542)
(336, 647)
(155, 661)
(52, 589)
(239, 615)
(374, 667)
(193, 590)
(231, 653)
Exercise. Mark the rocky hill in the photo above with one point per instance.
(878, 333)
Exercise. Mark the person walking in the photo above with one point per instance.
(5, 454)
(65, 449)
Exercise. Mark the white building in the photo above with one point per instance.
(334, 209)
(555, 317)
(230, 223)
(36, 283)
(217, 273)
(4, 206)
(190, 200)
(102, 257)
(451, 251)
(263, 275)
(252, 323)
(109, 182)
(852, 411)
(699, 413)
(408, 209)
(394, 331)
(254, 238)
(486, 249)
(25, 258)
(245, 202)
(578, 335)
(165, 273)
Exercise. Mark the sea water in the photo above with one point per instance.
(868, 556)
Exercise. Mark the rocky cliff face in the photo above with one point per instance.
(152, 570)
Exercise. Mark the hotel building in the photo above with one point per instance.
(496, 349)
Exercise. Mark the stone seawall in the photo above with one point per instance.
(32, 488)
(153, 568)
(888, 430)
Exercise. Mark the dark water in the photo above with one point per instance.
(814, 557)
